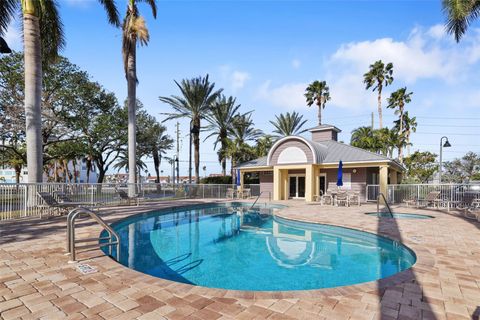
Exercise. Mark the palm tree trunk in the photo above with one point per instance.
(224, 166)
(319, 104)
(196, 145)
(380, 117)
(400, 147)
(132, 99)
(33, 96)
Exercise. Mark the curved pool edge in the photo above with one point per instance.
(424, 261)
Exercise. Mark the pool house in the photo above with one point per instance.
(300, 168)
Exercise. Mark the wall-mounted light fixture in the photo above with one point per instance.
(354, 170)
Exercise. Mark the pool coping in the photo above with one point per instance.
(424, 262)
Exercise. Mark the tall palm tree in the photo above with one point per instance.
(409, 125)
(379, 75)
(220, 121)
(134, 30)
(460, 14)
(289, 124)
(318, 93)
(43, 38)
(242, 131)
(264, 144)
(195, 103)
(163, 143)
(397, 100)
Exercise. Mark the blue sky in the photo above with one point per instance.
(266, 52)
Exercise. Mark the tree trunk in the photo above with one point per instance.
(101, 175)
(224, 166)
(132, 101)
(380, 117)
(33, 96)
(319, 104)
(18, 171)
(400, 146)
(196, 144)
(156, 164)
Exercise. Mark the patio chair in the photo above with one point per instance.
(230, 193)
(327, 199)
(125, 197)
(470, 208)
(246, 193)
(342, 198)
(430, 199)
(354, 197)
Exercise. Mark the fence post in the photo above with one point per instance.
(203, 191)
(25, 192)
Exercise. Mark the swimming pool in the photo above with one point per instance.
(229, 246)
(399, 215)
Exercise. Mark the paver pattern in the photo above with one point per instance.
(37, 282)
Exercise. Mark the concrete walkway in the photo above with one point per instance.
(36, 282)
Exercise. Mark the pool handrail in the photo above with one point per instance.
(386, 204)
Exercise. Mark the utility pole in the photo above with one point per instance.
(178, 152)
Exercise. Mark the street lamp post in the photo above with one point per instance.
(445, 144)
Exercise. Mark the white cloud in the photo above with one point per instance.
(238, 79)
(13, 37)
(288, 96)
(235, 79)
(296, 63)
(426, 54)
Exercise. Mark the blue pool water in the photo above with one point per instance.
(229, 246)
(399, 215)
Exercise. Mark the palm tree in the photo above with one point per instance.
(124, 163)
(134, 29)
(242, 131)
(379, 75)
(264, 144)
(363, 137)
(289, 124)
(163, 143)
(220, 118)
(460, 14)
(318, 93)
(196, 102)
(43, 38)
(409, 125)
(397, 101)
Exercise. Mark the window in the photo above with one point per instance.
(347, 181)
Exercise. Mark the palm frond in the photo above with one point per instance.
(7, 12)
(51, 31)
(112, 12)
(459, 15)
(153, 6)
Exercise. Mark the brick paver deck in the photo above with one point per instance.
(36, 282)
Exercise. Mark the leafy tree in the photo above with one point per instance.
(318, 93)
(242, 131)
(397, 100)
(264, 144)
(220, 118)
(288, 124)
(378, 76)
(379, 141)
(134, 30)
(152, 140)
(421, 166)
(460, 14)
(463, 169)
(14, 157)
(409, 126)
(43, 38)
(195, 102)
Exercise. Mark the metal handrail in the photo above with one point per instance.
(258, 197)
(386, 203)
(71, 249)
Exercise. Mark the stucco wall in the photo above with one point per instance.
(359, 180)
(291, 143)
(266, 183)
(319, 136)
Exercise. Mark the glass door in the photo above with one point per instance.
(296, 186)
(323, 184)
(292, 193)
(300, 187)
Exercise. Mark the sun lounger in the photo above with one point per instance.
(49, 202)
(125, 197)
(430, 200)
